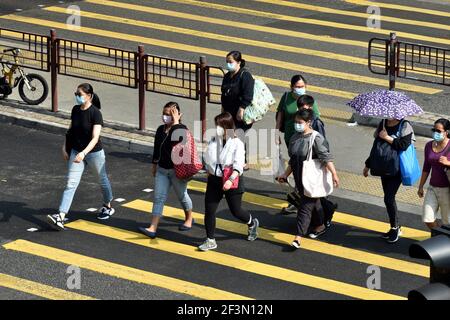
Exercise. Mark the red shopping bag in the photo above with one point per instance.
(185, 158)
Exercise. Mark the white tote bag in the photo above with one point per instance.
(317, 180)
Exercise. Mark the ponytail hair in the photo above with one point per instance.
(88, 89)
(96, 101)
(237, 56)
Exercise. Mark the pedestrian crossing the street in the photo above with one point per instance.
(326, 43)
(266, 272)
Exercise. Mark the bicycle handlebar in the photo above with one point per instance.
(11, 50)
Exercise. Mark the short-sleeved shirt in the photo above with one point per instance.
(288, 104)
(82, 127)
(431, 163)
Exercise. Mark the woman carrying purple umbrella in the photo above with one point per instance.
(393, 135)
(398, 134)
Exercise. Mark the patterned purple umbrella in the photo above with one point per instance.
(385, 104)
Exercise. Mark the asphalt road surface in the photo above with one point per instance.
(338, 266)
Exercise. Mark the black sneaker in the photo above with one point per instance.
(295, 244)
(56, 221)
(393, 235)
(316, 234)
(105, 213)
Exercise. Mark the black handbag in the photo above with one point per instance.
(69, 142)
(384, 160)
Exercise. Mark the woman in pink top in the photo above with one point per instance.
(437, 160)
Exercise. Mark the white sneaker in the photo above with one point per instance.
(209, 244)
(56, 221)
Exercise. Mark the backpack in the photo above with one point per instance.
(262, 100)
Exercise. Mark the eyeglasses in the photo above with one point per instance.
(78, 94)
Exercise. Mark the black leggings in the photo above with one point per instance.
(391, 184)
(214, 194)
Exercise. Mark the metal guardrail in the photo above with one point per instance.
(423, 63)
(172, 77)
(35, 48)
(408, 60)
(92, 62)
(214, 77)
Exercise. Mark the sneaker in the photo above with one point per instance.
(392, 235)
(296, 244)
(253, 231)
(56, 221)
(289, 210)
(395, 235)
(316, 234)
(209, 244)
(105, 213)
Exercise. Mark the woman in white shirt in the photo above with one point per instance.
(225, 154)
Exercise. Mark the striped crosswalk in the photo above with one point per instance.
(277, 41)
(257, 36)
(235, 261)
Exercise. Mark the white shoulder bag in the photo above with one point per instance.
(317, 180)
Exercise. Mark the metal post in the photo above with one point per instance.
(54, 69)
(142, 84)
(392, 60)
(203, 94)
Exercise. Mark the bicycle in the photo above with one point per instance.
(33, 88)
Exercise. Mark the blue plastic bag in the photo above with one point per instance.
(409, 166)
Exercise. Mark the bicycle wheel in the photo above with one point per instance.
(38, 92)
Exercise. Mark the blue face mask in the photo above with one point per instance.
(231, 67)
(437, 136)
(299, 91)
(299, 127)
(79, 100)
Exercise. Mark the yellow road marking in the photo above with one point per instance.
(230, 23)
(339, 217)
(120, 271)
(39, 289)
(230, 261)
(355, 14)
(216, 36)
(271, 15)
(400, 7)
(219, 53)
(284, 238)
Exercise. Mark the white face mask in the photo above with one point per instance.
(220, 131)
(166, 119)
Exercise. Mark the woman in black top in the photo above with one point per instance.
(83, 147)
(399, 139)
(167, 136)
(237, 91)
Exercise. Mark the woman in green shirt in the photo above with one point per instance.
(285, 117)
(288, 108)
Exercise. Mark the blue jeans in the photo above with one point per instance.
(97, 161)
(163, 180)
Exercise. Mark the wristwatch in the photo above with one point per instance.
(231, 178)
